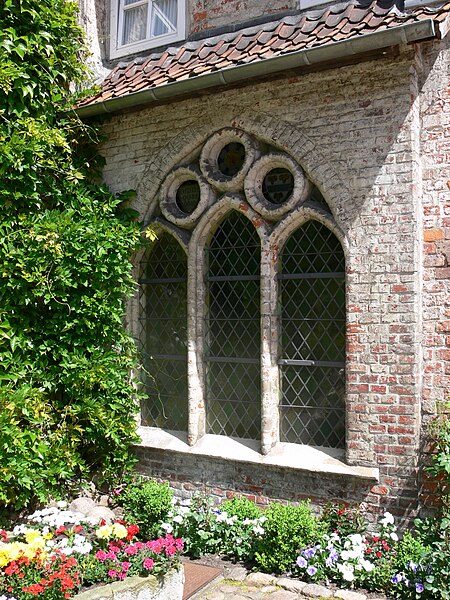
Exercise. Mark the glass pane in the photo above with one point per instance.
(164, 337)
(312, 298)
(231, 159)
(164, 17)
(134, 24)
(278, 185)
(233, 387)
(313, 406)
(188, 196)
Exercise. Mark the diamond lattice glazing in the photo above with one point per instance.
(312, 298)
(163, 336)
(233, 386)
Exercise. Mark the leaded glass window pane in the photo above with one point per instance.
(233, 376)
(164, 337)
(312, 338)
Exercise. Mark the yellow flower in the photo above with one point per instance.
(119, 530)
(104, 532)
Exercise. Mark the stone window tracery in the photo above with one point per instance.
(264, 305)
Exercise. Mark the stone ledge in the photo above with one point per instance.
(285, 455)
(170, 587)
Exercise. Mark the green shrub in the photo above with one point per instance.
(66, 396)
(343, 519)
(287, 529)
(241, 507)
(147, 503)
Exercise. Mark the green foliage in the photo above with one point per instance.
(147, 503)
(65, 247)
(343, 519)
(230, 529)
(287, 529)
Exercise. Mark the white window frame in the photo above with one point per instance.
(116, 50)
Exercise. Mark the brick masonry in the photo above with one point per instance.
(374, 138)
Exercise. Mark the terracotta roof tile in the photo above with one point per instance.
(293, 33)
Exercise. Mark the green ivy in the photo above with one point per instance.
(66, 398)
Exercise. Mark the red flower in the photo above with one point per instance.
(378, 554)
(77, 528)
(34, 589)
(3, 535)
(132, 530)
(61, 529)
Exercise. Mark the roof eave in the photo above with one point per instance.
(403, 34)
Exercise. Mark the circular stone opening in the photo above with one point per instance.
(188, 196)
(278, 185)
(231, 159)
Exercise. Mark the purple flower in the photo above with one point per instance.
(301, 562)
(309, 552)
(311, 570)
(412, 566)
(397, 578)
(419, 587)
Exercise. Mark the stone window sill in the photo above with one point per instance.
(290, 456)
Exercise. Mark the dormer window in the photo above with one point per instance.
(138, 25)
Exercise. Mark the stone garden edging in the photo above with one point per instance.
(169, 587)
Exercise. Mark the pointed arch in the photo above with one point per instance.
(311, 353)
(163, 332)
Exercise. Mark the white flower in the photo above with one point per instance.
(387, 520)
(61, 504)
(167, 527)
(345, 554)
(394, 537)
(347, 572)
(178, 519)
(222, 517)
(367, 565)
(258, 530)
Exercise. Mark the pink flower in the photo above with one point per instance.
(179, 544)
(112, 573)
(101, 555)
(171, 550)
(111, 555)
(125, 565)
(139, 545)
(130, 550)
(148, 564)
(155, 545)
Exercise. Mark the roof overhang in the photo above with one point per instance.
(306, 57)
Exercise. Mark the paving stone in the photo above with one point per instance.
(215, 595)
(236, 573)
(316, 591)
(292, 585)
(348, 595)
(269, 588)
(283, 595)
(228, 588)
(261, 579)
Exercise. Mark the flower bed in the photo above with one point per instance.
(59, 552)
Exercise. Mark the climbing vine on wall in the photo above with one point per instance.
(66, 398)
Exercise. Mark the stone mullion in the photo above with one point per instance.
(270, 384)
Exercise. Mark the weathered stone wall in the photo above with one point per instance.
(372, 137)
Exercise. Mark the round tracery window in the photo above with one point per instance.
(188, 196)
(275, 184)
(226, 158)
(231, 159)
(278, 185)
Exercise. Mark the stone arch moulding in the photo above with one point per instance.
(196, 294)
(283, 134)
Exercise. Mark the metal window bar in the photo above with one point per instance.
(163, 335)
(232, 326)
(312, 338)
